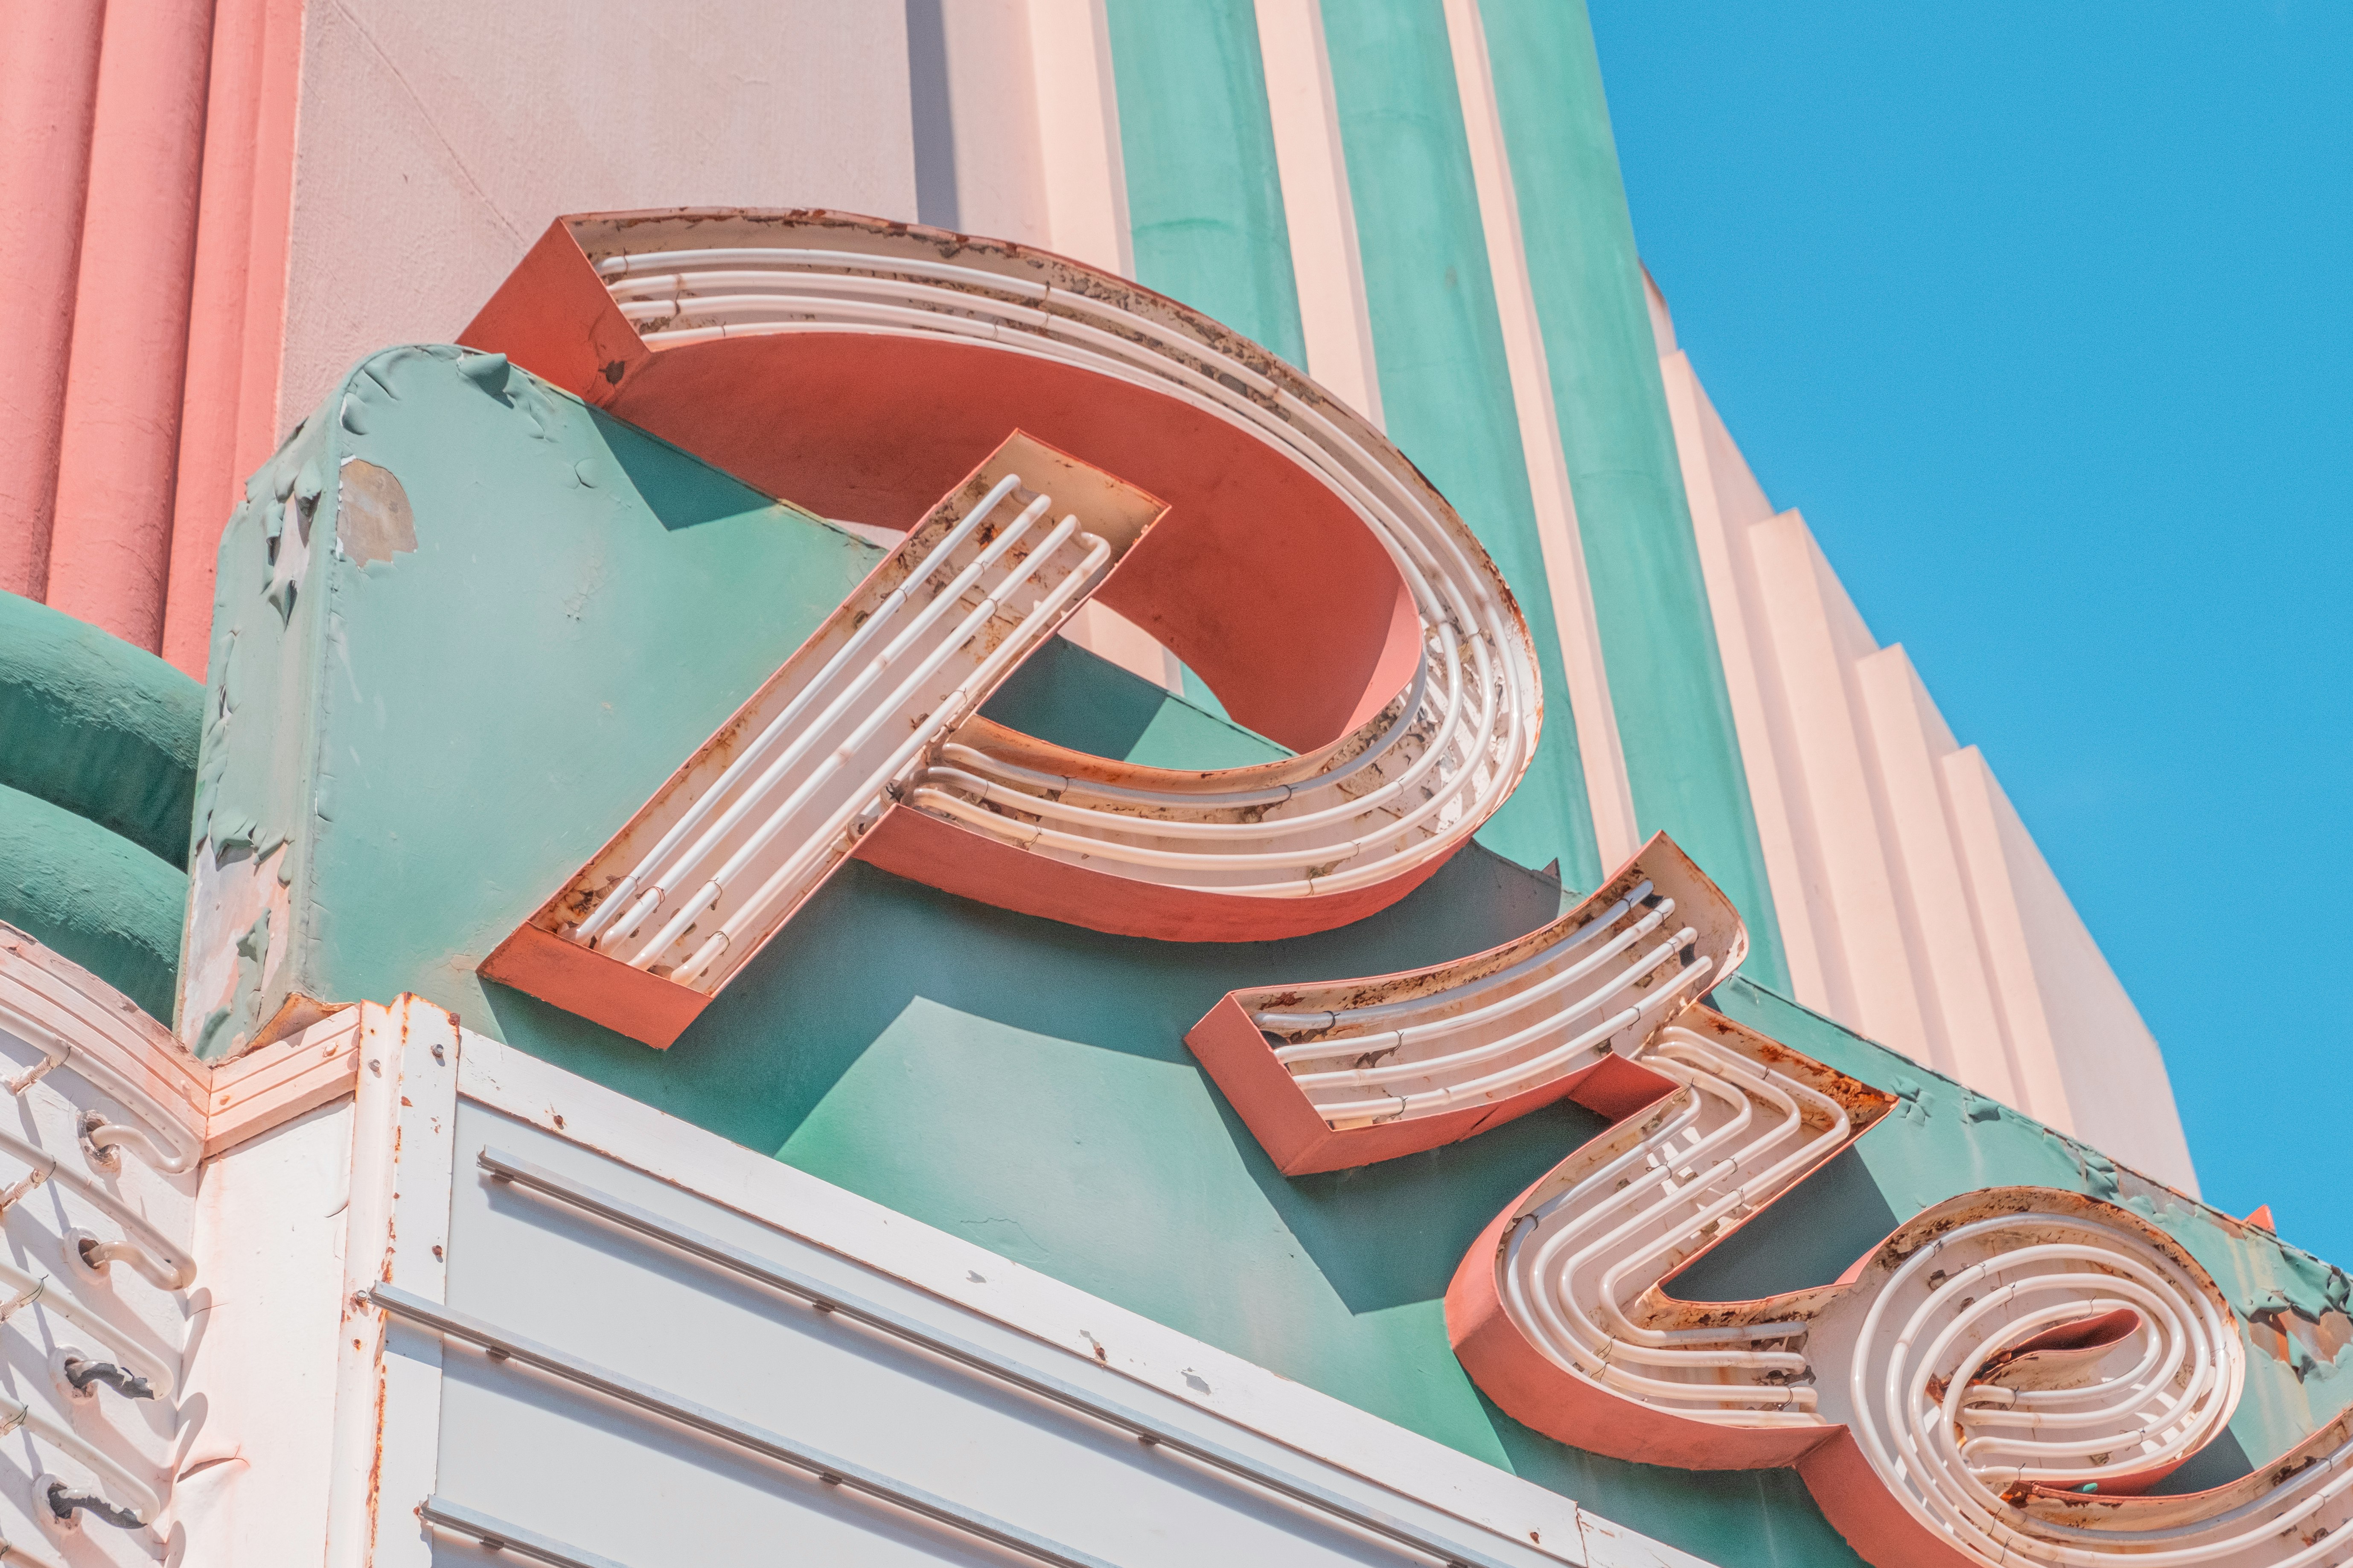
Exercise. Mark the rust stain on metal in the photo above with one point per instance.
(376, 1460)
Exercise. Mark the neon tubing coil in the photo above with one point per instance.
(1406, 788)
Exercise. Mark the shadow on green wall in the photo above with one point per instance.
(874, 952)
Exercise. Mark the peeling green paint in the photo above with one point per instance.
(584, 604)
(1943, 1141)
(97, 727)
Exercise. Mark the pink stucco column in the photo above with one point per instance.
(48, 79)
(207, 449)
(229, 415)
(110, 540)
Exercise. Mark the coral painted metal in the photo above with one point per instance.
(1304, 568)
(909, 353)
(1346, 1072)
(1998, 1381)
(813, 764)
(1947, 1400)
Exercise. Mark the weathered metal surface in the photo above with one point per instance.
(95, 1297)
(181, 1109)
(378, 522)
(870, 416)
(1389, 791)
(754, 822)
(1955, 1397)
(1350, 1071)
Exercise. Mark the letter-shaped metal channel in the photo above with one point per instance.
(1947, 1400)
(1994, 1384)
(1352, 1071)
(1128, 449)
(1997, 1383)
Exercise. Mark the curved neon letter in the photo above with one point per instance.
(1997, 1383)
(1356, 1070)
(1262, 532)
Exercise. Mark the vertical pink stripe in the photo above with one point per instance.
(241, 390)
(110, 540)
(49, 79)
(259, 419)
(206, 491)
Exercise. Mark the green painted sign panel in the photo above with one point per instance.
(506, 629)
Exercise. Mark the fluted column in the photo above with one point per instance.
(48, 80)
(229, 415)
(110, 543)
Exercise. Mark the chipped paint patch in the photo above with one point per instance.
(238, 926)
(374, 522)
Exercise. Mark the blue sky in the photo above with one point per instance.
(2040, 315)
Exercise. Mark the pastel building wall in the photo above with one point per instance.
(1417, 202)
(1913, 901)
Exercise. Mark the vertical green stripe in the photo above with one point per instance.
(1204, 200)
(1658, 638)
(1446, 386)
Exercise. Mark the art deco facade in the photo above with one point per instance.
(997, 780)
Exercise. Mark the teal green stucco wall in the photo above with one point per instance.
(1203, 205)
(582, 606)
(1446, 389)
(1650, 600)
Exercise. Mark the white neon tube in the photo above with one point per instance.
(1657, 1218)
(762, 905)
(1574, 1268)
(156, 1258)
(61, 1051)
(801, 735)
(1414, 1033)
(120, 1484)
(782, 726)
(1408, 561)
(811, 289)
(1299, 1023)
(1520, 1075)
(1471, 1056)
(1353, 809)
(883, 711)
(1938, 1485)
(112, 1135)
(1329, 853)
